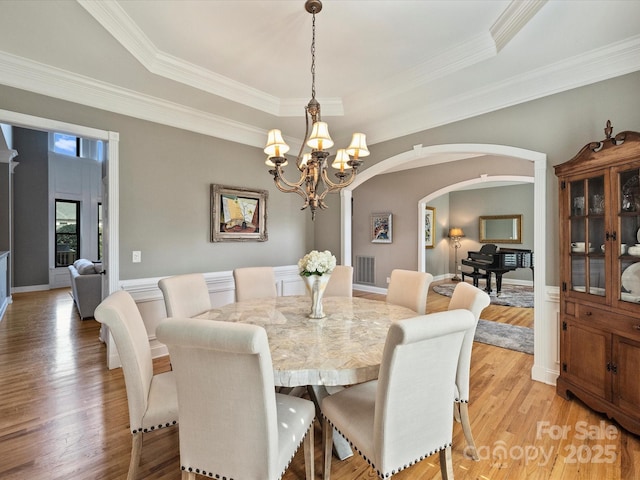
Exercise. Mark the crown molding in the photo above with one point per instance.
(597, 65)
(513, 19)
(115, 20)
(600, 64)
(44, 79)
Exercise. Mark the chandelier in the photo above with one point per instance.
(314, 182)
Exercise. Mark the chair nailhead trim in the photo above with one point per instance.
(217, 475)
(153, 427)
(394, 471)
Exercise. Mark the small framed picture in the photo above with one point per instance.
(429, 226)
(381, 228)
(238, 214)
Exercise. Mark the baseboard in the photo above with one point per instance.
(30, 288)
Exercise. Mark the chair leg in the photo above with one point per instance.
(327, 444)
(446, 465)
(188, 475)
(136, 450)
(456, 411)
(309, 456)
(466, 428)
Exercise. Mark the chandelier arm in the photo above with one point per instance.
(332, 186)
(278, 176)
(297, 190)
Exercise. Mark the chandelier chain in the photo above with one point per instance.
(313, 55)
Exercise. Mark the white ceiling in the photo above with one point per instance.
(236, 68)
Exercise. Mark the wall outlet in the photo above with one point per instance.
(460, 267)
(388, 279)
(136, 257)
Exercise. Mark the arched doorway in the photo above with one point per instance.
(544, 335)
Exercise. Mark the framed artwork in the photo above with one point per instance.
(238, 214)
(381, 228)
(429, 226)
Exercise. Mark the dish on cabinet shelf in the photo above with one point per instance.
(628, 297)
(582, 250)
(638, 235)
(635, 251)
(631, 279)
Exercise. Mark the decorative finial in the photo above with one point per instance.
(608, 130)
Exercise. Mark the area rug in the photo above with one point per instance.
(510, 295)
(504, 335)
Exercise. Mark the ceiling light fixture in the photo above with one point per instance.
(314, 182)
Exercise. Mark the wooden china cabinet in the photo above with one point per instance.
(600, 277)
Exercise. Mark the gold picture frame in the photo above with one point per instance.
(429, 227)
(238, 214)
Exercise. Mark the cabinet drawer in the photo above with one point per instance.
(613, 322)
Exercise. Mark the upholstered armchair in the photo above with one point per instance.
(185, 295)
(475, 300)
(409, 289)
(405, 416)
(232, 423)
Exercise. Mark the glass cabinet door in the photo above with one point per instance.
(628, 257)
(588, 234)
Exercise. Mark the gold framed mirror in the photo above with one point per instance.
(501, 229)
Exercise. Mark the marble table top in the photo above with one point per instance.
(343, 348)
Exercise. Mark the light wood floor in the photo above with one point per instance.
(63, 415)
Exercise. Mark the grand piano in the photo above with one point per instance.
(490, 260)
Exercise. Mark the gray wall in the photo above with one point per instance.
(399, 193)
(166, 172)
(31, 210)
(558, 125)
(466, 206)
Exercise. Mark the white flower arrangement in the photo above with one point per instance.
(316, 263)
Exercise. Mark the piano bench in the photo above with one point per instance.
(475, 276)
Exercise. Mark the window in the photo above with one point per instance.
(99, 231)
(67, 241)
(73, 146)
(66, 144)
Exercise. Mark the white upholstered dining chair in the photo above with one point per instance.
(470, 298)
(254, 282)
(405, 416)
(341, 282)
(232, 423)
(409, 288)
(152, 399)
(185, 295)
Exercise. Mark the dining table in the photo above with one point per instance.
(343, 348)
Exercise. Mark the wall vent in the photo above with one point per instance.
(365, 270)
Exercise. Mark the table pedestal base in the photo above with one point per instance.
(341, 448)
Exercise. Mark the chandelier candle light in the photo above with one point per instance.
(314, 183)
(315, 269)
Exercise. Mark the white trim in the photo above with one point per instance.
(610, 61)
(48, 125)
(544, 364)
(422, 203)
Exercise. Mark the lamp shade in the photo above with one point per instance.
(358, 147)
(320, 138)
(276, 146)
(305, 159)
(456, 232)
(340, 162)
